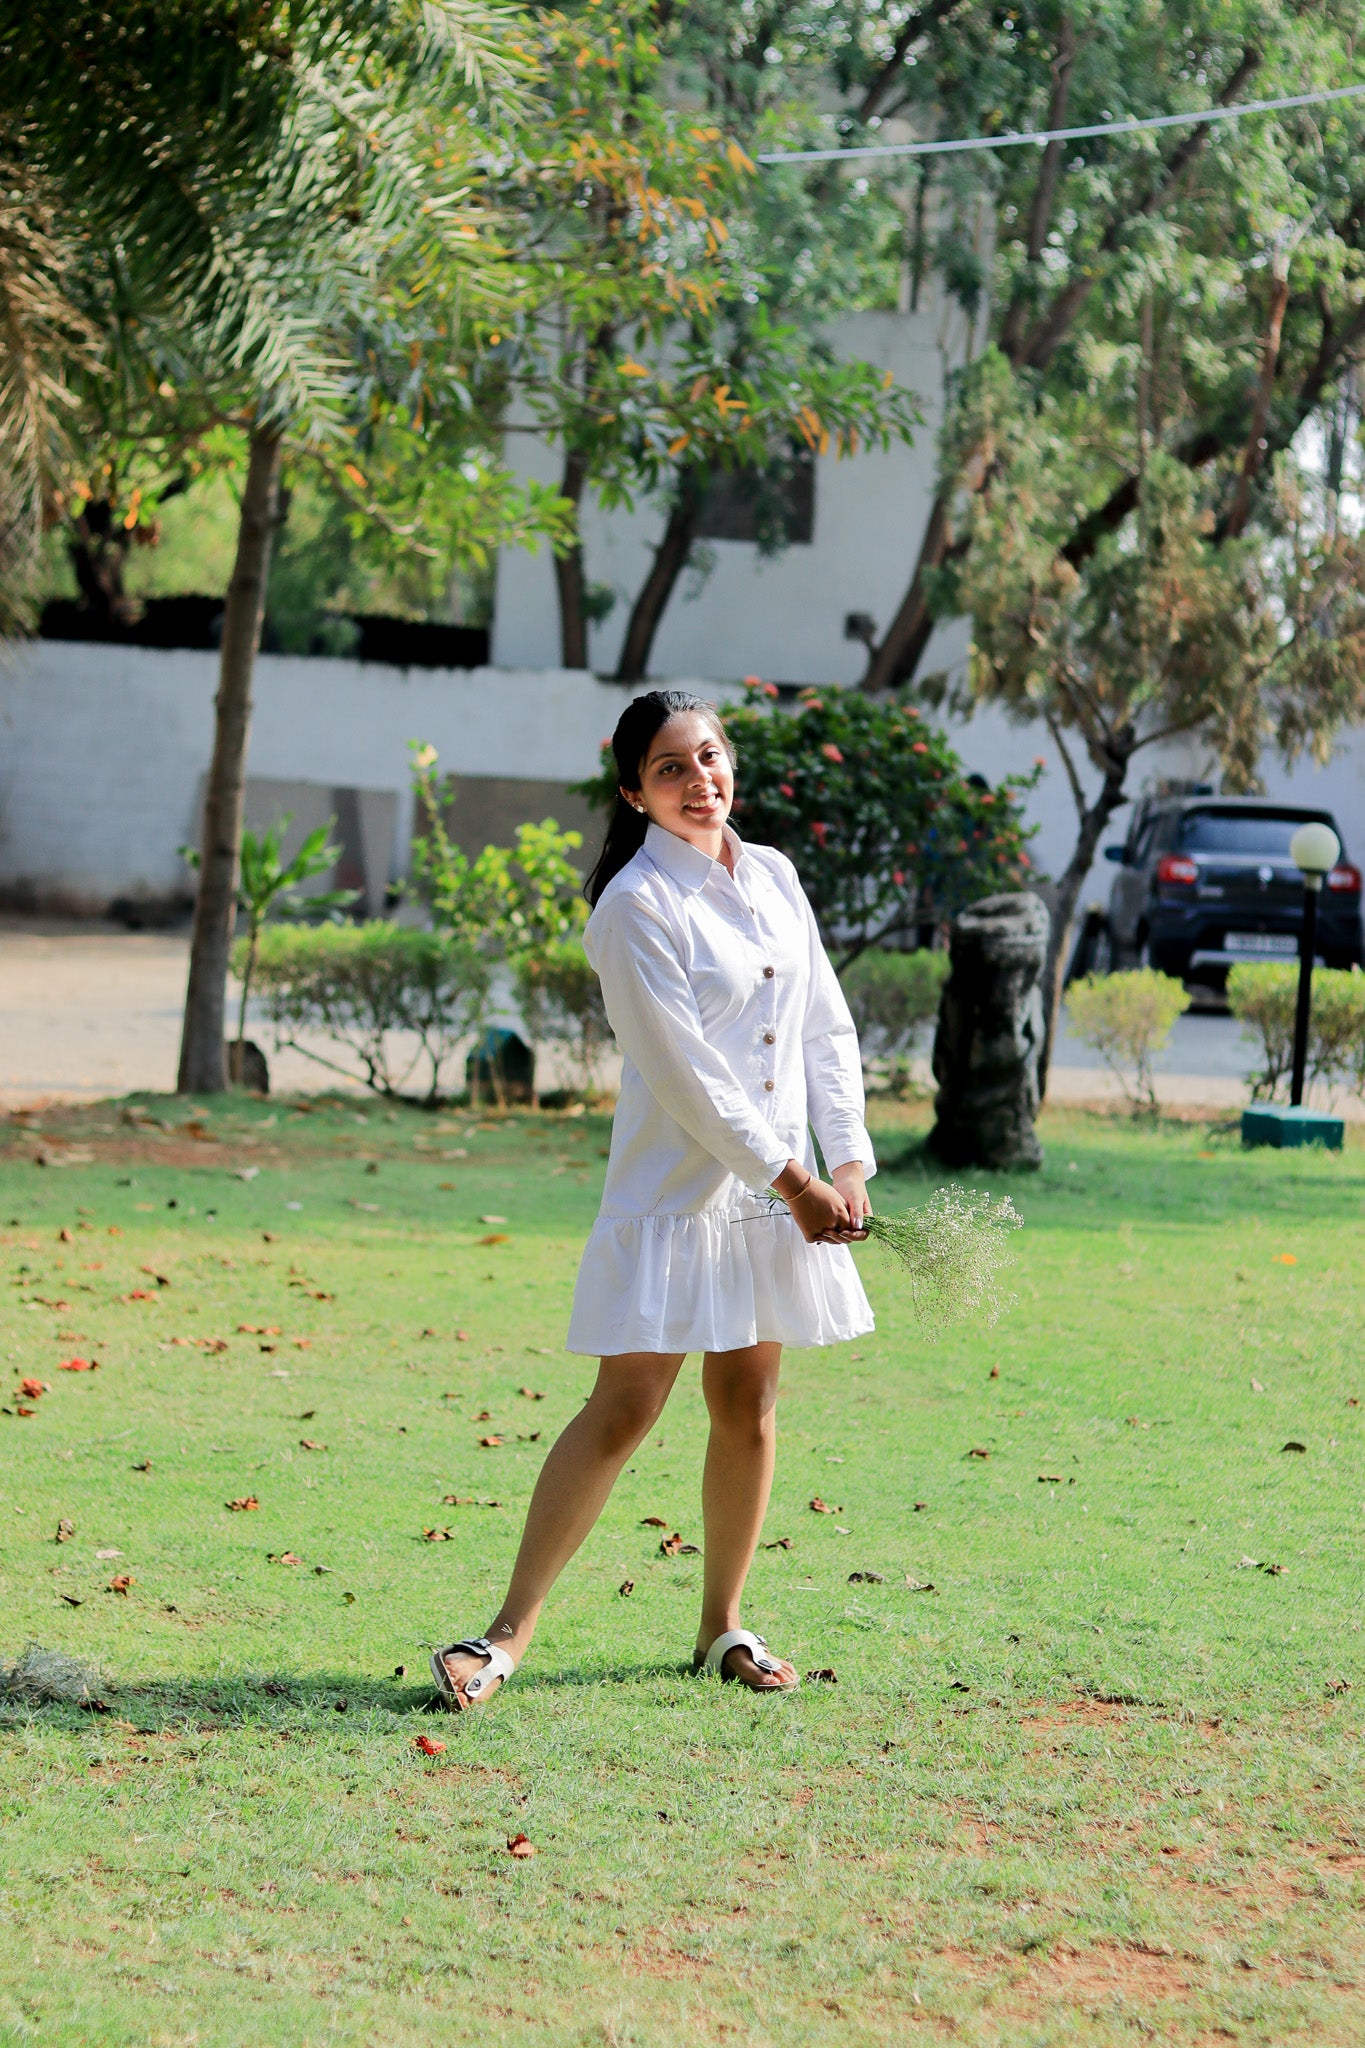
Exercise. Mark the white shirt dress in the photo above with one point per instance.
(736, 1039)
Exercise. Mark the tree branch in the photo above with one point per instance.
(1045, 186)
(917, 24)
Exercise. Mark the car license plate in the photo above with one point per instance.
(1276, 945)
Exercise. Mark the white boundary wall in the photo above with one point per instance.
(103, 751)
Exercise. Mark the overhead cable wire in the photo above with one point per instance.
(1017, 140)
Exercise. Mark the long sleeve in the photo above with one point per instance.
(654, 1014)
(834, 1068)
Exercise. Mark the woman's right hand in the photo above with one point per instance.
(820, 1212)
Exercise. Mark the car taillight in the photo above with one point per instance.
(1173, 867)
(1346, 878)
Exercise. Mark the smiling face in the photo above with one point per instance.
(687, 782)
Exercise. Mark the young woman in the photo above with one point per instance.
(735, 1039)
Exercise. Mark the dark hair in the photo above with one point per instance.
(630, 743)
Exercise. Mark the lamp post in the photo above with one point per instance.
(1315, 851)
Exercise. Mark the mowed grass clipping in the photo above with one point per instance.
(1089, 1768)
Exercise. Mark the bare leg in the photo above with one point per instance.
(572, 1490)
(741, 1397)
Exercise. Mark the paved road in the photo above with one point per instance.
(88, 1011)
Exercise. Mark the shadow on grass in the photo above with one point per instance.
(210, 1705)
(1099, 1172)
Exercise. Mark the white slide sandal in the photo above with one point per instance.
(745, 1639)
(499, 1666)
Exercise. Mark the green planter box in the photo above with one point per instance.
(1270, 1123)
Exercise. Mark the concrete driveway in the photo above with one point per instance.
(90, 1010)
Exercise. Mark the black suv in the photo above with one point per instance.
(1207, 881)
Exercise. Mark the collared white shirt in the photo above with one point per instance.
(736, 1040)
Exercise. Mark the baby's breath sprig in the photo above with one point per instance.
(953, 1250)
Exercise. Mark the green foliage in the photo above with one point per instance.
(891, 995)
(372, 989)
(506, 900)
(873, 806)
(560, 999)
(1128, 1018)
(952, 1251)
(1263, 994)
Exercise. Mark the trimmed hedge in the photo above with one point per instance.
(358, 985)
(891, 996)
(1263, 994)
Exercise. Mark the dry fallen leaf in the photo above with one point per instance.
(819, 1507)
(428, 1744)
(779, 1543)
(489, 1443)
(457, 1500)
(306, 1444)
(866, 1579)
(977, 1452)
(520, 1847)
(626, 1588)
(492, 1219)
(105, 1555)
(1248, 1564)
(529, 1394)
(484, 1415)
(994, 1373)
(284, 1557)
(653, 1522)
(462, 1336)
(121, 1584)
(243, 1505)
(145, 1465)
(919, 1585)
(1256, 1387)
(1284, 1259)
(33, 1388)
(826, 1675)
(73, 1600)
(1293, 1445)
(671, 1545)
(1049, 1478)
(495, 1237)
(65, 1531)
(436, 1536)
(1274, 1569)
(918, 1507)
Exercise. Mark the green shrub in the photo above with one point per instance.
(359, 985)
(891, 996)
(561, 998)
(1128, 1018)
(1264, 996)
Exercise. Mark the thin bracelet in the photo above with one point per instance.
(804, 1189)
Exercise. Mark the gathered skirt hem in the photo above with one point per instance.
(712, 1280)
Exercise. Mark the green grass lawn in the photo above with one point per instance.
(1102, 1783)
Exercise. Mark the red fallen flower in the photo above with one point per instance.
(33, 1388)
(831, 752)
(243, 1505)
(140, 1294)
(79, 1365)
(428, 1745)
(122, 1583)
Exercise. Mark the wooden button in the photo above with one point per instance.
(768, 1086)
(770, 1038)
(768, 973)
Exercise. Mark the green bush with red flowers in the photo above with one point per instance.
(873, 806)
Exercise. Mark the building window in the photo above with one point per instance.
(774, 507)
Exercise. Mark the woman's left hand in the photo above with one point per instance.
(852, 1186)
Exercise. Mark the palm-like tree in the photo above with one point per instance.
(230, 195)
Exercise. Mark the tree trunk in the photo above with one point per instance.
(1094, 818)
(670, 559)
(570, 578)
(1254, 453)
(898, 654)
(203, 1068)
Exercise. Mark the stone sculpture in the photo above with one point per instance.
(989, 1041)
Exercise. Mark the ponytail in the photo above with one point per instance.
(630, 743)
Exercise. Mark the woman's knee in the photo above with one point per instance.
(741, 1400)
(625, 1414)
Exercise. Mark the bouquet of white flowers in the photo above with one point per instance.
(954, 1250)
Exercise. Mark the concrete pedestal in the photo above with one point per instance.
(1272, 1123)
